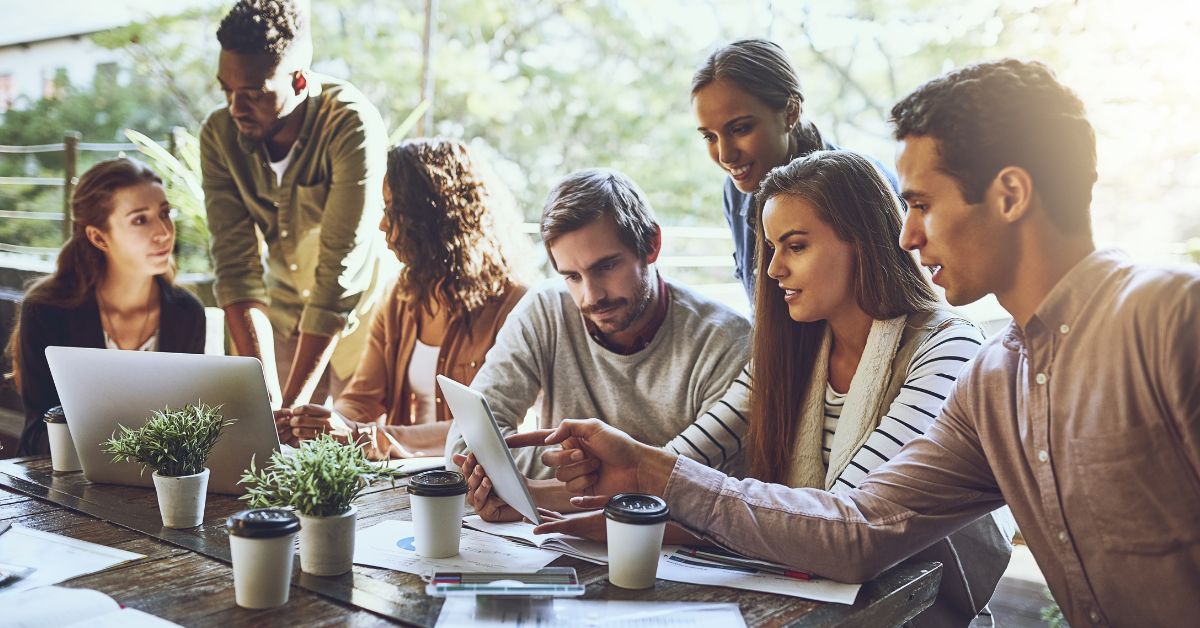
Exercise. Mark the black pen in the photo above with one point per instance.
(747, 563)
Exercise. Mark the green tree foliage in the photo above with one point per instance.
(543, 87)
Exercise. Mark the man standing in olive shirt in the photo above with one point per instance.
(296, 160)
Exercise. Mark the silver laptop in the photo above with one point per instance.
(101, 388)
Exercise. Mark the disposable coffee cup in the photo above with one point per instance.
(635, 524)
(62, 449)
(438, 499)
(262, 542)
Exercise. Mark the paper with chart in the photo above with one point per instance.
(485, 613)
(54, 557)
(522, 532)
(390, 545)
(675, 564)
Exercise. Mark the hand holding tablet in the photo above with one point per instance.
(482, 435)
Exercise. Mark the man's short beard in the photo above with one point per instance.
(641, 301)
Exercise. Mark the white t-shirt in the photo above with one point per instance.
(422, 368)
(281, 166)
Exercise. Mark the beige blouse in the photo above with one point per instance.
(379, 391)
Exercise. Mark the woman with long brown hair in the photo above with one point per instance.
(111, 287)
(455, 290)
(853, 356)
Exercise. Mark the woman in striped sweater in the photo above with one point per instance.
(853, 355)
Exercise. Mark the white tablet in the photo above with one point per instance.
(482, 434)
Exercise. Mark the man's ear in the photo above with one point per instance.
(96, 237)
(656, 245)
(299, 82)
(1012, 193)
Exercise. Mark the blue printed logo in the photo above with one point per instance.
(406, 543)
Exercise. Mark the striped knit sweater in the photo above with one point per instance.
(716, 437)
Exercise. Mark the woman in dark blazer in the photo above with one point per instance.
(112, 287)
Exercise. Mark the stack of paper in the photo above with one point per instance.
(486, 613)
(678, 564)
(53, 558)
(60, 606)
(522, 533)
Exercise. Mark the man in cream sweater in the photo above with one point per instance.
(612, 340)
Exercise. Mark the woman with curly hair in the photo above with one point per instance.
(441, 316)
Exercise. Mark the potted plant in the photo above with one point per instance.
(318, 480)
(176, 444)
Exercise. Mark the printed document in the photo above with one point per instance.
(54, 557)
(483, 612)
(391, 545)
(522, 532)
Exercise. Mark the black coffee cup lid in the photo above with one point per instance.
(263, 523)
(437, 483)
(637, 508)
(55, 415)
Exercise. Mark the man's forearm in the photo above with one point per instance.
(311, 357)
(250, 331)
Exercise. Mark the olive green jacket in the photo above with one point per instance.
(320, 224)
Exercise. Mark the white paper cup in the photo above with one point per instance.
(261, 544)
(438, 500)
(62, 449)
(635, 524)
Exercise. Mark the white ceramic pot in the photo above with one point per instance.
(181, 499)
(327, 543)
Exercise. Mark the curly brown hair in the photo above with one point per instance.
(440, 224)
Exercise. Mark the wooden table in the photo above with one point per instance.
(186, 578)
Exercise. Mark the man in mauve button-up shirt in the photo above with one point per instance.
(296, 159)
(1083, 416)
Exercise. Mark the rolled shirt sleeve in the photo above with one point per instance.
(350, 216)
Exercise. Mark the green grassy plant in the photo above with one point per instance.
(320, 479)
(175, 442)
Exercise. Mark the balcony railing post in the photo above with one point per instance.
(70, 152)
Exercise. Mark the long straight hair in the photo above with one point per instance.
(81, 266)
(853, 198)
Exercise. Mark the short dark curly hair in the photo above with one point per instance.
(262, 27)
(990, 116)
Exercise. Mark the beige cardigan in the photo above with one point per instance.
(379, 391)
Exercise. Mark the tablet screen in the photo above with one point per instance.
(482, 434)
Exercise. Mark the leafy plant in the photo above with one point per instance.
(175, 442)
(320, 479)
(1052, 614)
